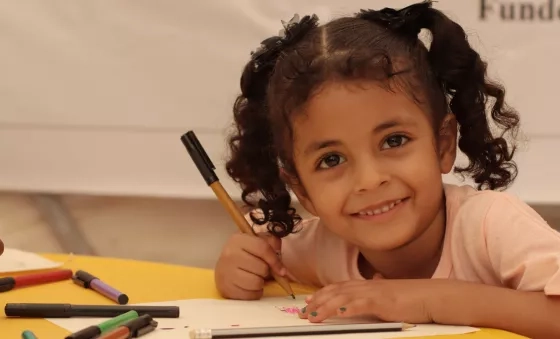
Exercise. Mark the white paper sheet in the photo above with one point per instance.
(13, 260)
(211, 313)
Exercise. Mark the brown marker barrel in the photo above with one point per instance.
(119, 333)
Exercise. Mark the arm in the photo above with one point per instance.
(532, 314)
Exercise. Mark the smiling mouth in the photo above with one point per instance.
(380, 210)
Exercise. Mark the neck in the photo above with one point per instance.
(416, 260)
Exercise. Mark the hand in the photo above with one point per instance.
(244, 265)
(387, 300)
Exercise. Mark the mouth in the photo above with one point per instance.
(379, 210)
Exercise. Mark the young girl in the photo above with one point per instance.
(359, 118)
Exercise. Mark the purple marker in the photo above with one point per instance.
(87, 280)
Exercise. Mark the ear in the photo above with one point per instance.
(298, 189)
(447, 141)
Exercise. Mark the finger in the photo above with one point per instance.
(377, 276)
(276, 244)
(238, 293)
(328, 290)
(318, 294)
(263, 250)
(252, 264)
(302, 314)
(331, 307)
(273, 241)
(357, 307)
(315, 301)
(247, 280)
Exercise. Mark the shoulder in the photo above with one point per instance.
(496, 238)
(468, 208)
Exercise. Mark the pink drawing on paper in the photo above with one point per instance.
(289, 309)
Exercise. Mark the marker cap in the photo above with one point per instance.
(7, 284)
(83, 278)
(141, 325)
(146, 329)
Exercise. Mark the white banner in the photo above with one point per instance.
(95, 94)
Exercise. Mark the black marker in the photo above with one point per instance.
(99, 311)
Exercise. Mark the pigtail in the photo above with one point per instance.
(254, 162)
(462, 74)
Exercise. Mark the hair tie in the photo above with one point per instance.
(292, 32)
(408, 21)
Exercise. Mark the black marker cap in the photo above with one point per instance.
(7, 284)
(139, 323)
(83, 278)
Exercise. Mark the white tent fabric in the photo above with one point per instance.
(94, 95)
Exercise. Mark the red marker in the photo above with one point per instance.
(9, 283)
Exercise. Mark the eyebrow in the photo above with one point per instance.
(318, 145)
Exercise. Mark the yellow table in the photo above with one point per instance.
(140, 281)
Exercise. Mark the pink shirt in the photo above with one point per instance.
(491, 238)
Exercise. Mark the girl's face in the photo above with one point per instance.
(369, 164)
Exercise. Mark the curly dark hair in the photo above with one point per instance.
(381, 46)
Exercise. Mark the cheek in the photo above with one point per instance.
(328, 198)
(328, 194)
(427, 180)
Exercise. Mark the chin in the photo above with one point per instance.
(385, 242)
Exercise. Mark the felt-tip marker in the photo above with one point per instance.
(132, 329)
(31, 310)
(9, 283)
(96, 330)
(86, 280)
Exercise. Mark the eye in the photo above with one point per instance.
(395, 141)
(331, 160)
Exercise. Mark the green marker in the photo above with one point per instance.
(94, 331)
(28, 335)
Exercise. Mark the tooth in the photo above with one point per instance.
(362, 213)
(392, 205)
(370, 213)
(398, 201)
(385, 209)
(378, 211)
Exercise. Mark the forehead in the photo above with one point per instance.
(342, 107)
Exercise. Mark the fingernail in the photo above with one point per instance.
(343, 309)
(313, 314)
(283, 271)
(303, 309)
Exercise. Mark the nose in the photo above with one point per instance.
(369, 175)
